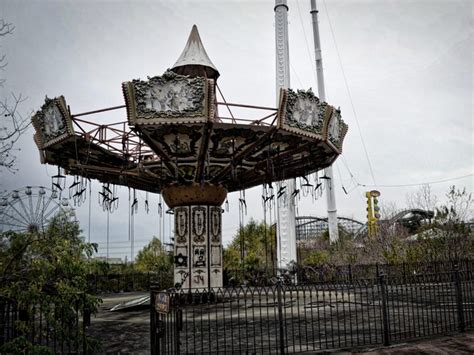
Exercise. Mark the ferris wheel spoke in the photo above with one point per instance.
(50, 212)
(4, 221)
(44, 210)
(28, 216)
(37, 209)
(29, 208)
(30, 203)
(45, 207)
(22, 226)
(19, 213)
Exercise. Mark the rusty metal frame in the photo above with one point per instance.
(119, 138)
(114, 137)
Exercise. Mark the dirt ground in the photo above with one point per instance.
(459, 344)
(127, 332)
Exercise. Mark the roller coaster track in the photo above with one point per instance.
(310, 226)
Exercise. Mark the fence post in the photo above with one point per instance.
(178, 328)
(23, 317)
(383, 292)
(280, 317)
(404, 273)
(153, 336)
(3, 320)
(459, 300)
(86, 322)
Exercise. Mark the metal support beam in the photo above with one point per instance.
(330, 192)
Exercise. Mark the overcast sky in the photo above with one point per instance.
(407, 64)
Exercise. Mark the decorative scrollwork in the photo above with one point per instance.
(215, 226)
(199, 223)
(181, 224)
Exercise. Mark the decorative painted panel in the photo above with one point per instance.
(336, 129)
(181, 225)
(170, 98)
(52, 123)
(199, 256)
(181, 250)
(181, 256)
(302, 112)
(199, 224)
(198, 248)
(181, 266)
(215, 224)
(216, 255)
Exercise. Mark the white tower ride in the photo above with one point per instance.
(286, 229)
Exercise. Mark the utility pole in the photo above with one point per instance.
(330, 192)
(286, 229)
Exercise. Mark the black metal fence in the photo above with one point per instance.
(126, 282)
(49, 322)
(313, 317)
(336, 273)
(144, 281)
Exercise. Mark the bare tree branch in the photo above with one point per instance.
(6, 28)
(423, 198)
(12, 123)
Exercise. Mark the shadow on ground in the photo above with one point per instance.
(128, 332)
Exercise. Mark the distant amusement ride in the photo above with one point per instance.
(30, 209)
(175, 142)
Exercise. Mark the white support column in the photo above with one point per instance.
(286, 229)
(330, 192)
(198, 246)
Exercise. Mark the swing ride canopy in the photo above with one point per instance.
(175, 135)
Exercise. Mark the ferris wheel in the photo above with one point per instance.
(30, 209)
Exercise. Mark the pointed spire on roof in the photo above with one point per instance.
(194, 60)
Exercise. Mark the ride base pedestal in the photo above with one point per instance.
(197, 234)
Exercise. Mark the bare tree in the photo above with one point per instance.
(454, 236)
(423, 198)
(5, 30)
(459, 203)
(388, 209)
(12, 122)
